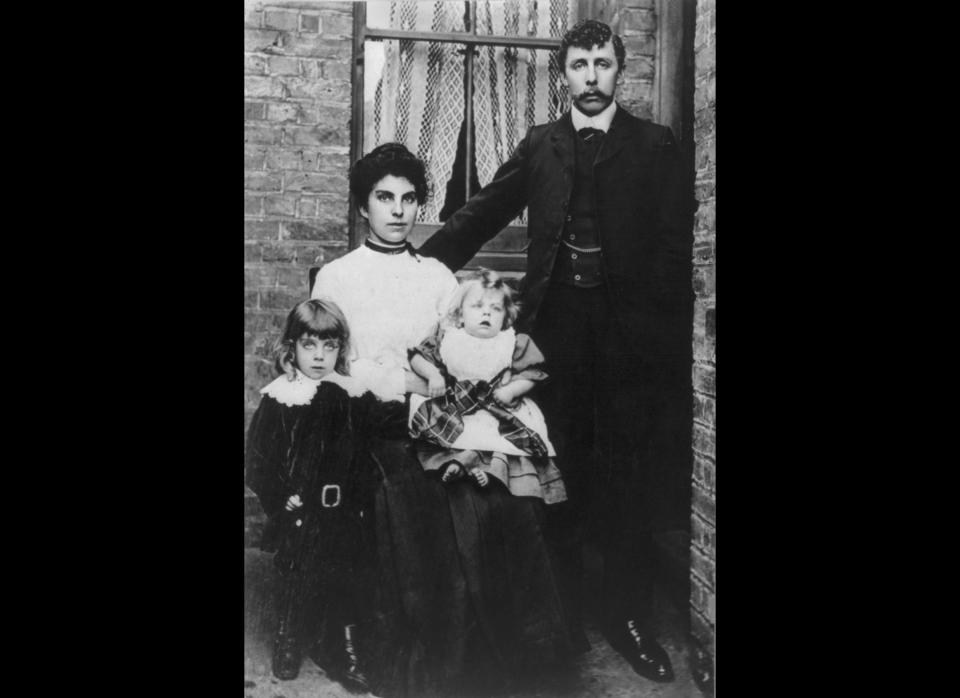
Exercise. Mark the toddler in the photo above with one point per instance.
(478, 421)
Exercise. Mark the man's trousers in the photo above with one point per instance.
(607, 417)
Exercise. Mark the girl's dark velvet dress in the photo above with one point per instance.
(317, 451)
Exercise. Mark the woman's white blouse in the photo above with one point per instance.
(391, 302)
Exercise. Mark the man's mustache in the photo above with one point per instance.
(592, 93)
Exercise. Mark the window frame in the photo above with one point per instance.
(501, 260)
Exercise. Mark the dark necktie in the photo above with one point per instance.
(588, 134)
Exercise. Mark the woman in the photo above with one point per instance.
(465, 586)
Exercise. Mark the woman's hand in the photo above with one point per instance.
(503, 395)
(509, 394)
(415, 384)
(293, 503)
(436, 386)
(431, 380)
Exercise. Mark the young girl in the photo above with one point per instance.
(478, 422)
(305, 462)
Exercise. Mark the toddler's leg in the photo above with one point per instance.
(452, 471)
(480, 477)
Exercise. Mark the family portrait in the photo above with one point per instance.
(479, 323)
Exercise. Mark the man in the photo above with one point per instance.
(607, 298)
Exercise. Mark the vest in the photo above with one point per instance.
(575, 266)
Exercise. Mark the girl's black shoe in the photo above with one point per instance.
(346, 667)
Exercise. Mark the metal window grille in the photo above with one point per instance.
(414, 89)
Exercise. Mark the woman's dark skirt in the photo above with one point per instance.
(466, 592)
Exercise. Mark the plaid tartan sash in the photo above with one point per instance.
(439, 420)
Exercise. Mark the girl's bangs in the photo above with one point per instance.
(320, 324)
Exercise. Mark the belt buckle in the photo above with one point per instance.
(323, 496)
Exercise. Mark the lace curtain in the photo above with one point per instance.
(416, 89)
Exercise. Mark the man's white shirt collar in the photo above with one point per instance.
(601, 121)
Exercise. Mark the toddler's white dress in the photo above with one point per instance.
(481, 445)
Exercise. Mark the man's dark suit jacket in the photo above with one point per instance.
(643, 215)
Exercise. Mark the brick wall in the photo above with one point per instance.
(703, 517)
(297, 58)
(636, 23)
(296, 148)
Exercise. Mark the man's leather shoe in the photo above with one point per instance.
(643, 652)
(286, 657)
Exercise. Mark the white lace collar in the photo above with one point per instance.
(302, 388)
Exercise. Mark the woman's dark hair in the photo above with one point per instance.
(387, 159)
(318, 318)
(588, 33)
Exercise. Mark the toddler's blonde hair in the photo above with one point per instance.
(487, 279)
